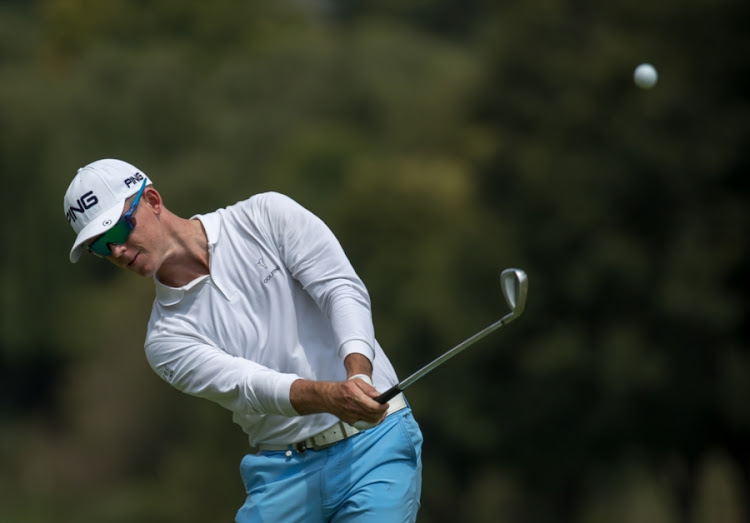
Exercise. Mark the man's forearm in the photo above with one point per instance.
(357, 364)
(311, 397)
(350, 401)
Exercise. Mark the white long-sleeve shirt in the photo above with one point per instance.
(281, 302)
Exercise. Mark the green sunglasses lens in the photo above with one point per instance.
(117, 234)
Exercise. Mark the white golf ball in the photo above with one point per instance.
(645, 76)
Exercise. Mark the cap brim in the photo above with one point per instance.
(99, 225)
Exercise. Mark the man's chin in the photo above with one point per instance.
(143, 269)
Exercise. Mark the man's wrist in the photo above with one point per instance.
(357, 364)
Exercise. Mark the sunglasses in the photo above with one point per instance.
(119, 232)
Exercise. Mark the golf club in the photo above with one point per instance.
(514, 284)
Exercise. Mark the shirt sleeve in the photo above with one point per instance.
(316, 259)
(238, 384)
(355, 347)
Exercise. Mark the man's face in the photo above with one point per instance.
(139, 253)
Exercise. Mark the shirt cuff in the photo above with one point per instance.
(356, 347)
(281, 392)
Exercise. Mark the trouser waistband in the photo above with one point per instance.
(333, 434)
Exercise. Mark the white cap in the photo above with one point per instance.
(96, 198)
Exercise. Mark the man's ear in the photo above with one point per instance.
(153, 199)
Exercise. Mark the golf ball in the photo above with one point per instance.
(645, 76)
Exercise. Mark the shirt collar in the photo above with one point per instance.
(212, 226)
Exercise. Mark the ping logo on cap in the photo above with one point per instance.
(137, 178)
(87, 201)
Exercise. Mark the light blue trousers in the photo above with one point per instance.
(374, 476)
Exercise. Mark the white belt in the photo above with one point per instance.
(331, 435)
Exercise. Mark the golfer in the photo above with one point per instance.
(258, 309)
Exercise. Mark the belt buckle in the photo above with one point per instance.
(301, 447)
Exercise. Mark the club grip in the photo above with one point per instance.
(387, 395)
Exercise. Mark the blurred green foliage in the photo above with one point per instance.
(441, 141)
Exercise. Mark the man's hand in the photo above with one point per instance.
(350, 401)
(362, 424)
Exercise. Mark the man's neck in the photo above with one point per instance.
(190, 257)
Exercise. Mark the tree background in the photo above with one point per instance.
(441, 141)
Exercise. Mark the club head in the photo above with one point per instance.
(515, 284)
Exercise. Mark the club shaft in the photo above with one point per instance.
(390, 393)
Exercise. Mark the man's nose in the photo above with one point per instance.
(118, 249)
